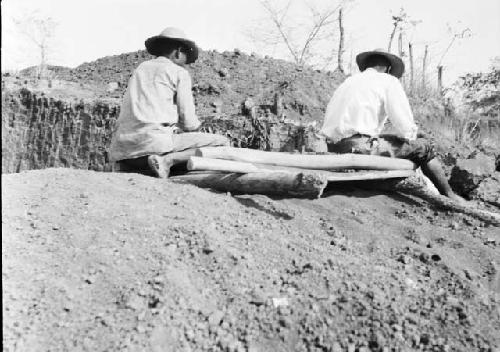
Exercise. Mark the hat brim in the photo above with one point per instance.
(397, 65)
(155, 44)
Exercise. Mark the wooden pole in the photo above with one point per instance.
(350, 63)
(340, 54)
(424, 68)
(207, 164)
(440, 79)
(299, 184)
(196, 163)
(400, 52)
(391, 37)
(400, 43)
(412, 80)
(306, 161)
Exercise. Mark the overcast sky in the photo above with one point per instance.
(91, 29)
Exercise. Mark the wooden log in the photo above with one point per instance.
(415, 187)
(208, 164)
(307, 161)
(368, 175)
(300, 184)
(196, 163)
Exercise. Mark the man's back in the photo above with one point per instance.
(151, 93)
(158, 97)
(362, 104)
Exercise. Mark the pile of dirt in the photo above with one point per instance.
(100, 261)
(224, 81)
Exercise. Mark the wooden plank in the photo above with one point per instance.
(307, 161)
(208, 164)
(299, 184)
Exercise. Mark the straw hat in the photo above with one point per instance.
(154, 44)
(397, 65)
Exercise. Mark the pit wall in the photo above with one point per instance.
(40, 132)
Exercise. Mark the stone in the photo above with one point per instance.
(336, 347)
(248, 103)
(424, 257)
(134, 302)
(436, 257)
(467, 174)
(257, 297)
(163, 339)
(217, 104)
(314, 142)
(215, 318)
(224, 72)
(404, 259)
(488, 190)
(249, 108)
(280, 302)
(112, 86)
(425, 339)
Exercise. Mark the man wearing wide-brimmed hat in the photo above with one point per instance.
(155, 129)
(360, 107)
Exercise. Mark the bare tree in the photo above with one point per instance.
(305, 35)
(455, 35)
(40, 31)
(397, 22)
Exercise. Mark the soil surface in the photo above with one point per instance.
(106, 262)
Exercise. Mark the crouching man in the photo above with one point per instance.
(360, 107)
(157, 125)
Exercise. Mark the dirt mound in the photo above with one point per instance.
(225, 80)
(99, 261)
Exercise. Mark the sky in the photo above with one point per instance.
(90, 29)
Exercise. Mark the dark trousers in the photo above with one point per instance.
(420, 151)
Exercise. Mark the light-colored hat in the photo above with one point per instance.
(397, 65)
(154, 44)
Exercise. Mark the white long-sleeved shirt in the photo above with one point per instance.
(363, 103)
(158, 97)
